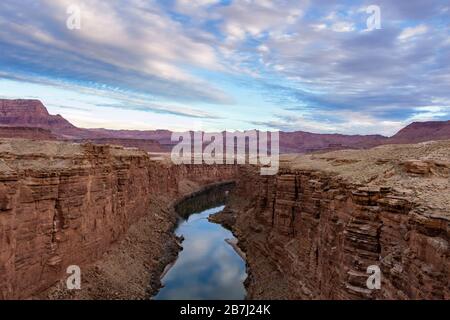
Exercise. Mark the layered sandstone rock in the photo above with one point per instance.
(65, 204)
(31, 113)
(26, 133)
(312, 231)
(143, 144)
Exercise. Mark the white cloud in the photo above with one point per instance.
(343, 26)
(251, 18)
(139, 39)
(319, 26)
(194, 60)
(413, 32)
(195, 8)
(348, 122)
(427, 113)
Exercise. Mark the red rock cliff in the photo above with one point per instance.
(312, 231)
(65, 204)
(26, 133)
(30, 113)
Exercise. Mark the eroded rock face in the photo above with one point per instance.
(26, 133)
(142, 144)
(427, 167)
(311, 233)
(30, 113)
(65, 204)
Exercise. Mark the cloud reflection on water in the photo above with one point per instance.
(208, 267)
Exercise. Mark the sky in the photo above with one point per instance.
(321, 66)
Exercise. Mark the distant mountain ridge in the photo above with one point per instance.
(30, 113)
(299, 141)
(33, 114)
(423, 131)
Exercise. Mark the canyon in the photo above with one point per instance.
(312, 231)
(65, 204)
(309, 232)
(108, 201)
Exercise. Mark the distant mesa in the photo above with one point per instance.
(30, 119)
(30, 113)
(423, 131)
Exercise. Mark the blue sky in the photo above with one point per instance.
(227, 65)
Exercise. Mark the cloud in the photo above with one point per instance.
(413, 31)
(351, 122)
(343, 27)
(412, 10)
(374, 73)
(137, 41)
(314, 61)
(163, 108)
(196, 8)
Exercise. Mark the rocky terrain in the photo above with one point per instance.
(65, 204)
(309, 232)
(142, 144)
(32, 113)
(312, 231)
(26, 133)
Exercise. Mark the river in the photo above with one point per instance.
(207, 267)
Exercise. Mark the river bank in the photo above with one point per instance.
(65, 204)
(133, 268)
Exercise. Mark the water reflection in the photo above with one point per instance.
(208, 267)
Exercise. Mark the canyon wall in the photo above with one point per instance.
(312, 231)
(65, 204)
(142, 144)
(309, 232)
(26, 133)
